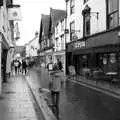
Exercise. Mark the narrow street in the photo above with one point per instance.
(80, 103)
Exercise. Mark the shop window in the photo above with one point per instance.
(84, 61)
(113, 13)
(112, 58)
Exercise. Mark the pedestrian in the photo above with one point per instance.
(24, 67)
(16, 66)
(55, 87)
(19, 67)
(59, 63)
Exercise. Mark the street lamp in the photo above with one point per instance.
(87, 10)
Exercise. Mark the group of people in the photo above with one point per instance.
(55, 78)
(19, 66)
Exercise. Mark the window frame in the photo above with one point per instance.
(110, 13)
(72, 31)
(62, 42)
(87, 22)
(72, 6)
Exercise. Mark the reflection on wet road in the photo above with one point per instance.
(80, 103)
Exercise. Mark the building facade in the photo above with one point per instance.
(47, 34)
(6, 39)
(96, 47)
(32, 47)
(59, 51)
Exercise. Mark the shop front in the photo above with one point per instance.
(48, 56)
(61, 56)
(98, 53)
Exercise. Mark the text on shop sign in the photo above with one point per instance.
(79, 44)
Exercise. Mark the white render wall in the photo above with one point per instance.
(58, 35)
(35, 44)
(96, 25)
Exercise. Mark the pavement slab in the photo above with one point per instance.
(16, 103)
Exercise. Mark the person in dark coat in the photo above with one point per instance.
(59, 64)
(24, 67)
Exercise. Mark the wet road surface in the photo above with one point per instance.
(80, 103)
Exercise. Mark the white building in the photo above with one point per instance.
(93, 35)
(75, 17)
(6, 39)
(32, 47)
(59, 51)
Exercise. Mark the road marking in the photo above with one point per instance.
(97, 89)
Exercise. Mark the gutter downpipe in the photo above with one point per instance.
(65, 36)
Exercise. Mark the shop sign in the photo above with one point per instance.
(48, 51)
(79, 44)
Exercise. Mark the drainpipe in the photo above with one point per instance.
(0, 64)
(65, 37)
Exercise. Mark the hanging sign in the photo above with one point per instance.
(14, 13)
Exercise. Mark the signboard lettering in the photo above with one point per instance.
(79, 44)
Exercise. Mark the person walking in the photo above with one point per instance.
(55, 87)
(16, 63)
(19, 67)
(24, 67)
(59, 63)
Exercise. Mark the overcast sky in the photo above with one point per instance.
(31, 12)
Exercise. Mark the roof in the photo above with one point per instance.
(56, 15)
(44, 26)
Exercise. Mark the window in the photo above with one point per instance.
(85, 1)
(62, 25)
(87, 24)
(72, 30)
(72, 6)
(62, 43)
(57, 29)
(112, 15)
(57, 44)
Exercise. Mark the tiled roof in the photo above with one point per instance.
(45, 24)
(56, 15)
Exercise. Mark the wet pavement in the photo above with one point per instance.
(17, 102)
(78, 102)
